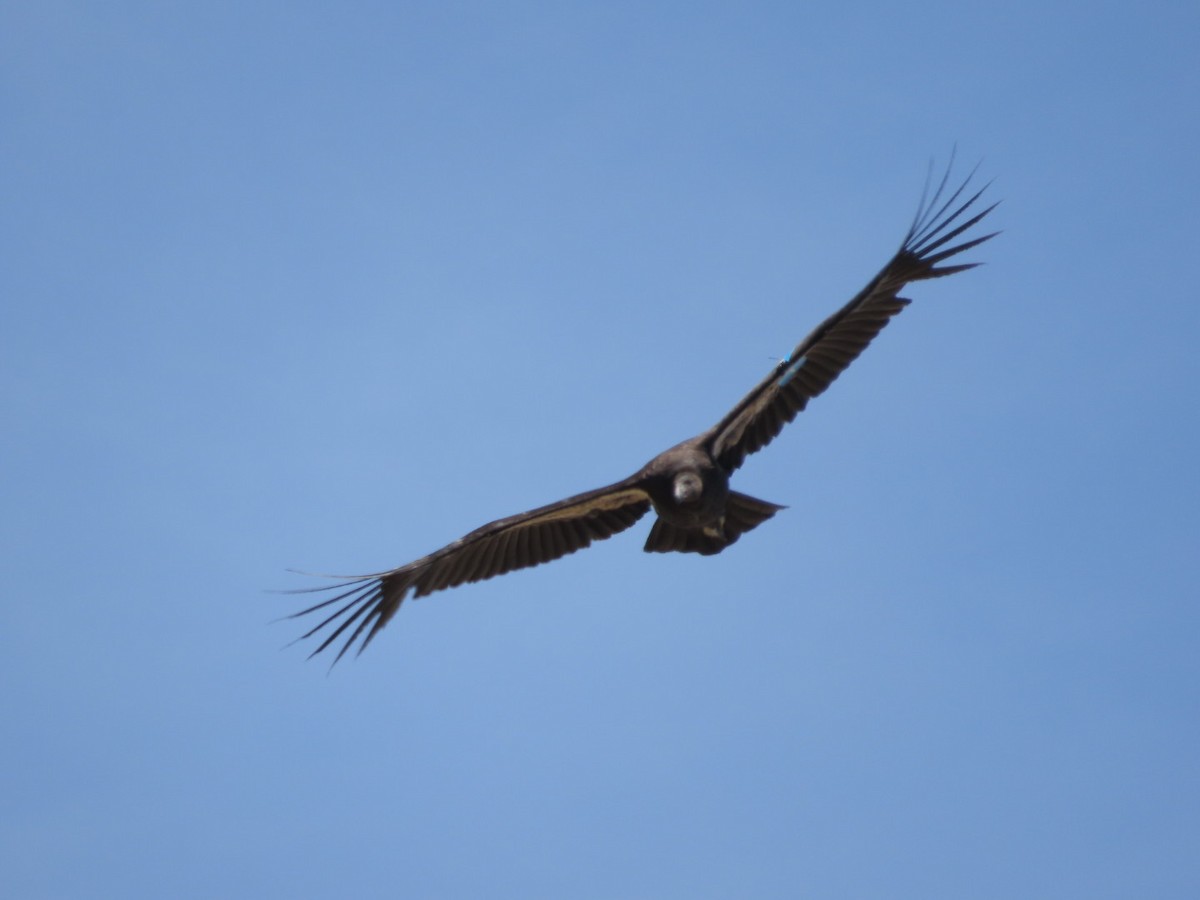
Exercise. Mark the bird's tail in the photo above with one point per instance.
(742, 513)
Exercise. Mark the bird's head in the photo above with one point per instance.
(687, 488)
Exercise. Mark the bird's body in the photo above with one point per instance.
(697, 512)
(687, 485)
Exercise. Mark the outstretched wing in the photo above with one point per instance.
(837, 342)
(517, 542)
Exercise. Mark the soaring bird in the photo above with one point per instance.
(687, 485)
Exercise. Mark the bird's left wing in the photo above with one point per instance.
(517, 542)
(817, 360)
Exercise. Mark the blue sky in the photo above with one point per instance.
(327, 286)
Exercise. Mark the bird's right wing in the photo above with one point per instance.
(516, 542)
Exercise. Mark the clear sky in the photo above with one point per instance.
(326, 286)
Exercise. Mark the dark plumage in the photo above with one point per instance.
(687, 485)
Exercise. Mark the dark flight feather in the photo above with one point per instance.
(688, 484)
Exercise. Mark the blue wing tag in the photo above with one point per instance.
(791, 370)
